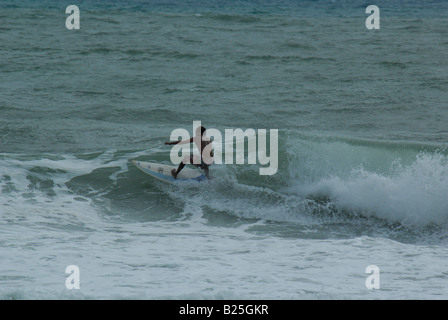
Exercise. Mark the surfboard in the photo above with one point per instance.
(163, 172)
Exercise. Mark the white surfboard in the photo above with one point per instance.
(163, 172)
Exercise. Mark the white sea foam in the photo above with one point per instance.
(415, 194)
(392, 181)
(37, 186)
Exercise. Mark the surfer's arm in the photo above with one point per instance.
(180, 142)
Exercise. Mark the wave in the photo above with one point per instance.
(415, 194)
(400, 182)
(331, 186)
(36, 189)
(325, 187)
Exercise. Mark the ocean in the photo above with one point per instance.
(362, 175)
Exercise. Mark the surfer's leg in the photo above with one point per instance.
(204, 166)
(175, 172)
(206, 171)
(196, 161)
(187, 159)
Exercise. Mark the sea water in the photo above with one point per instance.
(362, 174)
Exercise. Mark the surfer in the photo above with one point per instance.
(201, 140)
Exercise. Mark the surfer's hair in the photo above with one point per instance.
(202, 130)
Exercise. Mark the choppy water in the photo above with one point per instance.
(363, 171)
